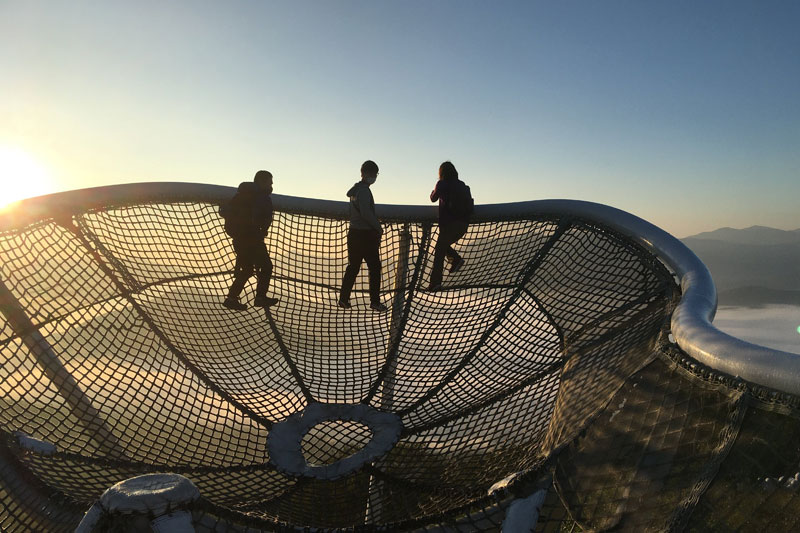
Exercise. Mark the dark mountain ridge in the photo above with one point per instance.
(758, 235)
(751, 267)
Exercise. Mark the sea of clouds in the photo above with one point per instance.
(774, 326)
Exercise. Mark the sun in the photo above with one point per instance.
(21, 176)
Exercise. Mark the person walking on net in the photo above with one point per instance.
(455, 207)
(363, 239)
(248, 217)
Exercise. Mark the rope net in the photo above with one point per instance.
(545, 357)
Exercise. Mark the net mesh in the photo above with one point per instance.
(544, 356)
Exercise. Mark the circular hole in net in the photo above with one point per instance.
(333, 440)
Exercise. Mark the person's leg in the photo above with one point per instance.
(454, 233)
(438, 259)
(263, 265)
(355, 254)
(451, 254)
(448, 235)
(373, 259)
(242, 270)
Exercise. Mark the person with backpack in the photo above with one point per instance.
(455, 207)
(248, 216)
(363, 240)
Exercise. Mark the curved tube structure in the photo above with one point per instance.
(691, 321)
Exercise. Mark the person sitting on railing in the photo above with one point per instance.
(363, 239)
(455, 207)
(248, 217)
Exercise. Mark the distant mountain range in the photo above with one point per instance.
(751, 267)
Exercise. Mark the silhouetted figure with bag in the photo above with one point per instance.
(455, 207)
(248, 217)
(363, 239)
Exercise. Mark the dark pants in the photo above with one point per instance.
(251, 256)
(448, 235)
(362, 245)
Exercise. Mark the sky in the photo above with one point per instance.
(684, 113)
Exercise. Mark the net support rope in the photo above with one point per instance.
(48, 360)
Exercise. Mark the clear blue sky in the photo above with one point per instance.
(685, 113)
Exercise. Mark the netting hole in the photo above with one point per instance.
(333, 440)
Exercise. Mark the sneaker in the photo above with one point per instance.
(457, 265)
(379, 307)
(343, 304)
(234, 303)
(264, 301)
(434, 287)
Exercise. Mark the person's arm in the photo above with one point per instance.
(435, 192)
(267, 215)
(367, 210)
(263, 214)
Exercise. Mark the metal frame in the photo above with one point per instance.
(691, 321)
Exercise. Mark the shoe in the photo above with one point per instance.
(234, 303)
(457, 265)
(264, 301)
(378, 307)
(434, 287)
(344, 305)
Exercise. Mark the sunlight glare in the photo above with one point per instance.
(21, 176)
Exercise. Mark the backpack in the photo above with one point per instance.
(238, 215)
(459, 201)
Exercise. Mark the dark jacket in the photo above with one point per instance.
(362, 208)
(442, 193)
(248, 215)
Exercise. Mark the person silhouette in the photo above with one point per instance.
(363, 240)
(455, 207)
(248, 216)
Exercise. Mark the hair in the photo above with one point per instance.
(447, 171)
(369, 166)
(262, 176)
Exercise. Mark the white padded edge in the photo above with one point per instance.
(285, 439)
(35, 445)
(154, 494)
(523, 513)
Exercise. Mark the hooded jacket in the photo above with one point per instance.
(362, 208)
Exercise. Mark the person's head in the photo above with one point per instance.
(263, 179)
(447, 171)
(369, 172)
